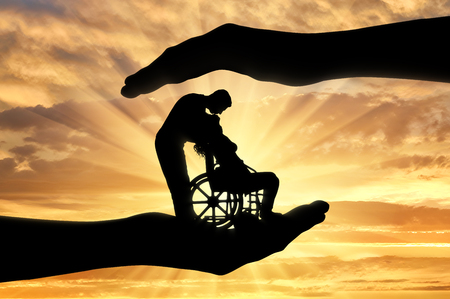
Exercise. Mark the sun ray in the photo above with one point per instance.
(93, 158)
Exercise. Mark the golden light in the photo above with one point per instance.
(376, 149)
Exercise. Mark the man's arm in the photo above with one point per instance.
(409, 50)
(33, 248)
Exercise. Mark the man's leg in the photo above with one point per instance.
(173, 164)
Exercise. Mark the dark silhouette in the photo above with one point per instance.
(187, 122)
(409, 50)
(38, 248)
(231, 176)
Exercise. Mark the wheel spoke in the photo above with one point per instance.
(204, 211)
(233, 201)
(200, 201)
(229, 196)
(203, 192)
(225, 212)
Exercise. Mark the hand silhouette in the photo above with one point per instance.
(38, 248)
(409, 50)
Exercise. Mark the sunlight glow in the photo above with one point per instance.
(378, 150)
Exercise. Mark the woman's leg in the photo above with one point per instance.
(268, 182)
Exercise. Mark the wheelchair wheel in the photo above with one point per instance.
(218, 208)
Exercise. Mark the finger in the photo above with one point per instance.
(320, 206)
(189, 59)
(228, 47)
(147, 79)
(306, 216)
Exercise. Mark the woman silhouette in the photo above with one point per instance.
(234, 176)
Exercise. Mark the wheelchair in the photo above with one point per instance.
(218, 203)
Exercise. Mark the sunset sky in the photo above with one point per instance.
(378, 150)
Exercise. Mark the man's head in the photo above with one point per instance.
(219, 101)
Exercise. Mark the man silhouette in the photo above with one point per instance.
(188, 121)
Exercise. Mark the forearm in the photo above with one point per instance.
(38, 248)
(33, 248)
(407, 50)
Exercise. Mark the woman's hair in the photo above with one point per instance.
(200, 149)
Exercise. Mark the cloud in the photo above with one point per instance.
(8, 40)
(38, 7)
(44, 130)
(427, 177)
(71, 176)
(80, 50)
(57, 138)
(58, 50)
(71, 125)
(397, 216)
(372, 128)
(7, 167)
(83, 57)
(81, 148)
(400, 119)
(313, 128)
(18, 119)
(123, 63)
(307, 277)
(22, 153)
(416, 162)
(79, 115)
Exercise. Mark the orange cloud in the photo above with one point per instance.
(416, 162)
(363, 129)
(68, 150)
(310, 277)
(91, 158)
(71, 176)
